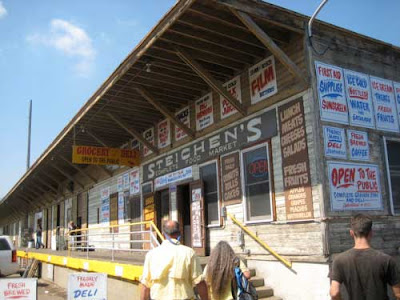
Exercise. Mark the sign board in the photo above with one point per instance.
(231, 183)
(184, 116)
(396, 86)
(295, 162)
(251, 130)
(335, 142)
(149, 210)
(105, 205)
(358, 145)
(88, 286)
(121, 208)
(18, 288)
(332, 98)
(173, 177)
(354, 186)
(359, 99)
(134, 182)
(384, 104)
(164, 133)
(262, 79)
(149, 136)
(234, 88)
(204, 112)
(89, 155)
(125, 181)
(120, 184)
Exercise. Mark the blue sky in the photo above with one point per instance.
(58, 53)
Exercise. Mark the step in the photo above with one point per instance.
(264, 291)
(271, 298)
(257, 281)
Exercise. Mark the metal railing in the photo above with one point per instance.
(130, 237)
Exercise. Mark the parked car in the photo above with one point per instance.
(8, 256)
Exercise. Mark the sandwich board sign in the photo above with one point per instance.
(88, 286)
(18, 288)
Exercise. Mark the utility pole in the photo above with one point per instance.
(28, 158)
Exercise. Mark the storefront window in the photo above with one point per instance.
(209, 176)
(256, 185)
(393, 157)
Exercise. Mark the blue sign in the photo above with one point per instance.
(335, 142)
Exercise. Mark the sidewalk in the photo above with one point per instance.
(49, 291)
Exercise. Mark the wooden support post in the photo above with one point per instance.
(134, 133)
(146, 94)
(78, 169)
(67, 176)
(270, 44)
(210, 80)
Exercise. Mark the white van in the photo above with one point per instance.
(8, 257)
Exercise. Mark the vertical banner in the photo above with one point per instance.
(149, 136)
(121, 208)
(234, 88)
(164, 133)
(384, 103)
(262, 79)
(184, 116)
(359, 100)
(120, 184)
(105, 205)
(335, 142)
(358, 145)
(125, 181)
(230, 175)
(396, 86)
(204, 112)
(295, 162)
(134, 182)
(331, 93)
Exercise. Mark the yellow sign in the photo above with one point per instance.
(89, 155)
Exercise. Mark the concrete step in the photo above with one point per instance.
(264, 291)
(257, 281)
(271, 298)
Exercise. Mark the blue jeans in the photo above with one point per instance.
(39, 242)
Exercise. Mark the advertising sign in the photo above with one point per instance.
(262, 79)
(164, 133)
(88, 286)
(173, 177)
(134, 182)
(120, 184)
(335, 142)
(184, 116)
(396, 86)
(89, 155)
(121, 208)
(105, 193)
(196, 218)
(384, 104)
(18, 288)
(149, 136)
(358, 145)
(354, 186)
(204, 112)
(231, 183)
(233, 87)
(295, 162)
(331, 93)
(125, 181)
(359, 100)
(105, 205)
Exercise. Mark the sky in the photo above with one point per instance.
(58, 53)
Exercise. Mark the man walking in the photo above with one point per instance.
(365, 272)
(172, 270)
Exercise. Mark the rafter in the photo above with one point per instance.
(80, 170)
(67, 175)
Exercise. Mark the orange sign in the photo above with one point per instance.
(89, 155)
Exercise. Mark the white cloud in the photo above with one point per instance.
(70, 40)
(3, 10)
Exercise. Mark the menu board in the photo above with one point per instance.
(149, 210)
(197, 235)
(164, 133)
(335, 142)
(204, 112)
(184, 117)
(231, 184)
(234, 88)
(148, 136)
(295, 162)
(262, 79)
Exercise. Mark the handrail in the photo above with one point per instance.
(258, 240)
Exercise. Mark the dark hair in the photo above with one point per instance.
(171, 228)
(361, 225)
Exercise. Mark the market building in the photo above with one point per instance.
(236, 112)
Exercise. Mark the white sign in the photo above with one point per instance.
(149, 136)
(358, 145)
(18, 288)
(384, 104)
(121, 208)
(335, 142)
(87, 286)
(359, 100)
(184, 116)
(396, 86)
(173, 177)
(105, 211)
(164, 133)
(120, 184)
(354, 186)
(125, 181)
(262, 79)
(135, 182)
(331, 93)
(204, 112)
(105, 193)
(234, 88)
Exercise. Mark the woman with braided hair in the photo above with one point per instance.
(219, 271)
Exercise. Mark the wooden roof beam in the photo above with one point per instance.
(80, 170)
(211, 81)
(67, 175)
(48, 185)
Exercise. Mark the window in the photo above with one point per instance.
(257, 184)
(209, 176)
(393, 165)
(4, 245)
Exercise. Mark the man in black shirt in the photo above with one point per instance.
(365, 272)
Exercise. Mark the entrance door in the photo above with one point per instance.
(164, 207)
(114, 212)
(183, 200)
(134, 213)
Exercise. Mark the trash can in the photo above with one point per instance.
(31, 244)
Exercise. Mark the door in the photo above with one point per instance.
(114, 212)
(134, 212)
(183, 200)
(197, 219)
(164, 207)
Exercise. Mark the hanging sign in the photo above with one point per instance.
(359, 100)
(204, 112)
(134, 182)
(196, 218)
(149, 136)
(233, 87)
(396, 86)
(184, 117)
(121, 208)
(262, 79)
(164, 133)
(88, 286)
(18, 288)
(120, 184)
(89, 155)
(384, 104)
(295, 162)
(173, 177)
(354, 186)
(125, 181)
(358, 145)
(230, 175)
(335, 142)
(331, 93)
